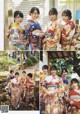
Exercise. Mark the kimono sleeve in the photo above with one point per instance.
(69, 30)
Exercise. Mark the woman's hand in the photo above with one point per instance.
(61, 27)
(41, 34)
(44, 40)
(26, 26)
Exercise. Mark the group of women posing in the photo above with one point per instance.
(58, 95)
(18, 88)
(32, 37)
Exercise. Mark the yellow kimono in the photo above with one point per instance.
(16, 35)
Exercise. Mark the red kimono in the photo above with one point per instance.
(75, 97)
(67, 36)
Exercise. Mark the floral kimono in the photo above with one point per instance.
(42, 99)
(16, 35)
(30, 89)
(67, 36)
(75, 97)
(23, 91)
(32, 30)
(53, 93)
(15, 92)
(52, 36)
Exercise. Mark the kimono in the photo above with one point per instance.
(15, 92)
(67, 36)
(53, 96)
(42, 77)
(23, 79)
(42, 99)
(52, 36)
(30, 90)
(16, 35)
(75, 97)
(65, 80)
(32, 29)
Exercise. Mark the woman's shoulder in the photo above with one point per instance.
(71, 23)
(16, 26)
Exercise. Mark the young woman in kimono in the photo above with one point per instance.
(52, 35)
(64, 75)
(15, 91)
(54, 89)
(68, 31)
(23, 80)
(43, 75)
(33, 29)
(16, 34)
(74, 95)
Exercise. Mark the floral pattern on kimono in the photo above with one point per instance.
(16, 35)
(32, 29)
(52, 104)
(67, 35)
(53, 35)
(75, 97)
(15, 92)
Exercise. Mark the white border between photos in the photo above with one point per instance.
(21, 112)
(1, 24)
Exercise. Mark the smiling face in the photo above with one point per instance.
(75, 85)
(64, 73)
(52, 17)
(65, 18)
(35, 15)
(45, 71)
(53, 72)
(18, 19)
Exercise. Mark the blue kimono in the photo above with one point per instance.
(32, 32)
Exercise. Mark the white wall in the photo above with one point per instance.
(45, 60)
(26, 5)
(1, 24)
(72, 6)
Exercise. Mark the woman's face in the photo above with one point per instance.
(53, 72)
(18, 19)
(45, 71)
(74, 84)
(65, 18)
(64, 73)
(24, 74)
(16, 76)
(52, 17)
(35, 15)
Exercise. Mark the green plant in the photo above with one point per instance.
(34, 59)
(29, 62)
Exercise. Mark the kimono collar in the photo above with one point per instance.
(71, 24)
(54, 76)
(32, 21)
(54, 20)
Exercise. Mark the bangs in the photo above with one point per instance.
(64, 14)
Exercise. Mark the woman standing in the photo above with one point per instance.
(52, 35)
(33, 29)
(64, 76)
(15, 91)
(68, 31)
(54, 89)
(74, 95)
(15, 32)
